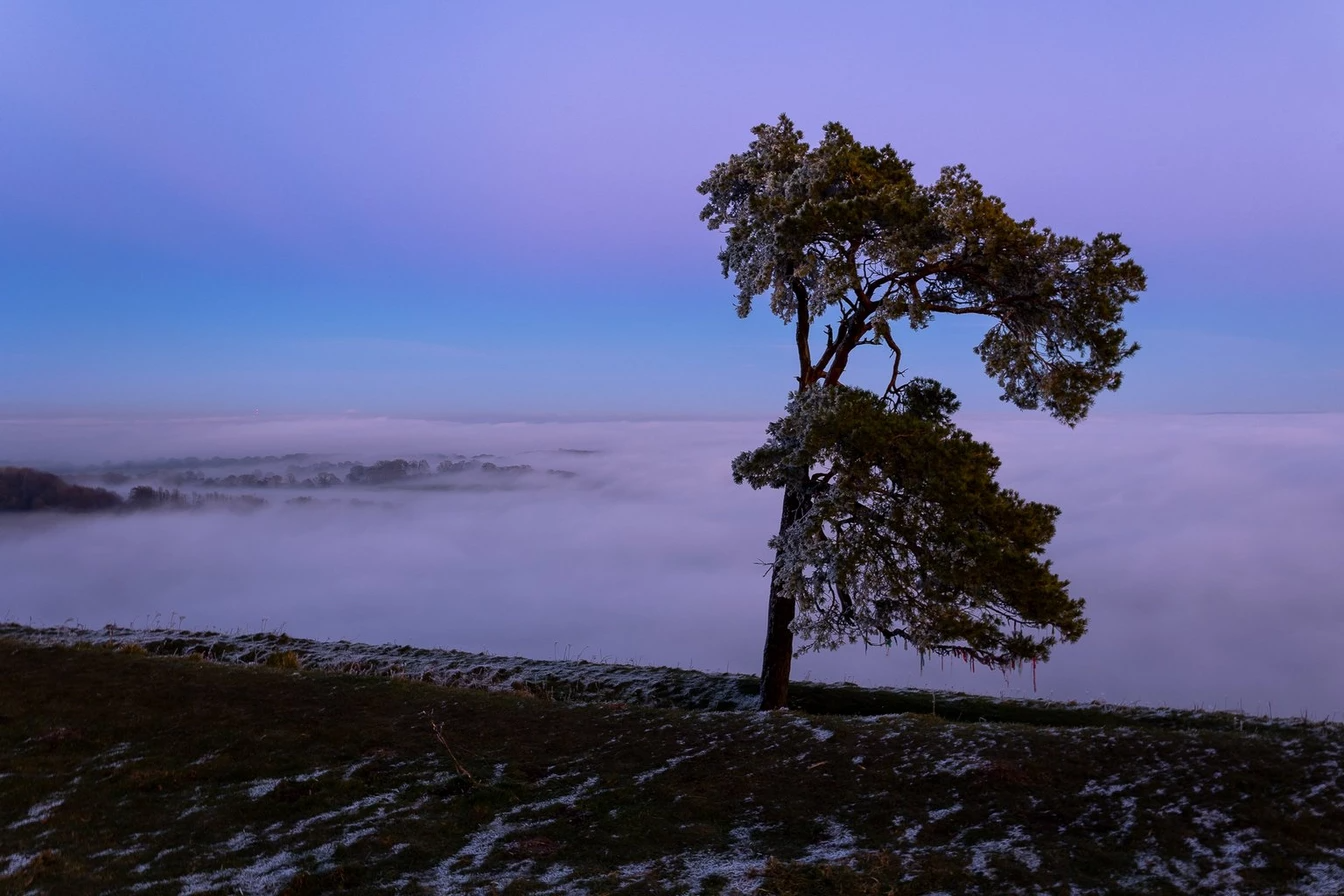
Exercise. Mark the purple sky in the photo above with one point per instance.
(471, 210)
(252, 216)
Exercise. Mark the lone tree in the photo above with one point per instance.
(892, 527)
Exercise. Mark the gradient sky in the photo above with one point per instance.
(489, 209)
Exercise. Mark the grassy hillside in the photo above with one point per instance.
(245, 766)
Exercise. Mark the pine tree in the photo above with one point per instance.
(892, 527)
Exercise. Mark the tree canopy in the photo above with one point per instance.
(846, 227)
(893, 527)
(906, 537)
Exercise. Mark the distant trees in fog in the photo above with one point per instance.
(27, 489)
(255, 479)
(459, 466)
(171, 486)
(23, 488)
(386, 471)
(327, 474)
(146, 497)
(300, 471)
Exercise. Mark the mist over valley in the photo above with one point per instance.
(628, 542)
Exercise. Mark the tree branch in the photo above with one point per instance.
(801, 333)
(895, 364)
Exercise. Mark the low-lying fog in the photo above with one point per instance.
(1208, 548)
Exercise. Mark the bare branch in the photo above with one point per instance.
(437, 728)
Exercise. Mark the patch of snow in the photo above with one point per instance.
(352, 837)
(1092, 788)
(735, 868)
(837, 845)
(240, 841)
(17, 862)
(820, 733)
(196, 805)
(1016, 843)
(910, 832)
(940, 814)
(635, 870)
(40, 812)
(266, 875)
(261, 788)
(1224, 864)
(357, 806)
(450, 875)
(957, 766)
(555, 875)
(1209, 819)
(645, 777)
(1323, 879)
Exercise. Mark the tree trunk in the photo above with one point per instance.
(777, 658)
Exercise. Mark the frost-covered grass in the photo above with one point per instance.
(226, 770)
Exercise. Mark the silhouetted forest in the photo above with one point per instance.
(23, 488)
(28, 489)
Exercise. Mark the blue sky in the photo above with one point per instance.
(454, 210)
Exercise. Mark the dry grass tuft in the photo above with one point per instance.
(284, 659)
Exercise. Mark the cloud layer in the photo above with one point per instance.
(1206, 547)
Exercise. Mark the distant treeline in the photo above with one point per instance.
(23, 488)
(328, 474)
(385, 471)
(26, 489)
(145, 497)
(299, 471)
(180, 463)
(256, 479)
(190, 469)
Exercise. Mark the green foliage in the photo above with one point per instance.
(845, 228)
(905, 536)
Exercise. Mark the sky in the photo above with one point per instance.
(488, 211)
(238, 228)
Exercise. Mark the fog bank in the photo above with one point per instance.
(1206, 547)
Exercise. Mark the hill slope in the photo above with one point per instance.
(127, 772)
